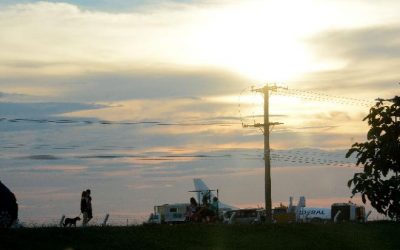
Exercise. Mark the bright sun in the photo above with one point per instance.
(254, 40)
(245, 40)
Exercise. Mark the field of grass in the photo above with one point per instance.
(383, 235)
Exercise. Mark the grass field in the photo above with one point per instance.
(383, 235)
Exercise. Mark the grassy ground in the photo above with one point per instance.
(196, 236)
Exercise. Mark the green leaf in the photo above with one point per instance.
(349, 183)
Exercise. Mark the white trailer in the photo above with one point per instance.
(311, 214)
(169, 213)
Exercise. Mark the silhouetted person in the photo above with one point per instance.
(206, 200)
(193, 201)
(89, 205)
(192, 208)
(214, 205)
(84, 208)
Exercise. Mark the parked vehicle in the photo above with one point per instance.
(348, 212)
(170, 213)
(244, 216)
(313, 214)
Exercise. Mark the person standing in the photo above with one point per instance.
(89, 205)
(215, 208)
(192, 209)
(215, 205)
(84, 208)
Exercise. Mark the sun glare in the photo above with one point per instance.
(250, 42)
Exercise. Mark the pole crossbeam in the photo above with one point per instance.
(265, 88)
(261, 125)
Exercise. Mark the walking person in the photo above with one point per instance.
(84, 208)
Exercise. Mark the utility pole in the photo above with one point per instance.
(267, 152)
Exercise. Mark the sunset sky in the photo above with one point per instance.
(134, 99)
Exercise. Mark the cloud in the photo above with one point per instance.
(41, 110)
(62, 168)
(360, 45)
(117, 86)
(165, 112)
(70, 39)
(370, 56)
(160, 42)
(42, 157)
(64, 39)
(8, 97)
(118, 6)
(150, 162)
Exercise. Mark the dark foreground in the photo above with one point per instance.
(296, 236)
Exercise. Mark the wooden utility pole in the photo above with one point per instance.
(267, 152)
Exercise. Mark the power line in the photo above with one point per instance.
(105, 122)
(322, 97)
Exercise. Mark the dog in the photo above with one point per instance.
(71, 221)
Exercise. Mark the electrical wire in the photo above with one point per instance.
(105, 122)
(322, 97)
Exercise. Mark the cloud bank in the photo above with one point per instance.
(135, 102)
